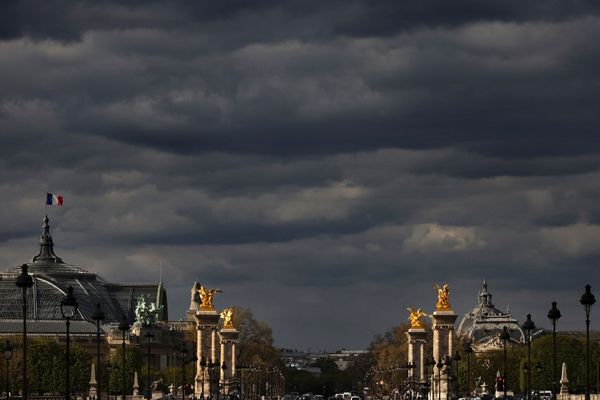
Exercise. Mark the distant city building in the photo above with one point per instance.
(304, 360)
(484, 323)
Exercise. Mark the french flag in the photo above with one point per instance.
(54, 199)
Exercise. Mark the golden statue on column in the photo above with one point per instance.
(206, 298)
(227, 316)
(443, 302)
(415, 318)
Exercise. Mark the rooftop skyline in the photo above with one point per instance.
(323, 163)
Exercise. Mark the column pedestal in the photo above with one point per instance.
(443, 383)
(229, 338)
(416, 353)
(207, 323)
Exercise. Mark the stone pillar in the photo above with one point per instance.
(222, 358)
(564, 381)
(228, 337)
(93, 392)
(233, 359)
(416, 352)
(207, 323)
(443, 344)
(213, 344)
(422, 376)
(136, 385)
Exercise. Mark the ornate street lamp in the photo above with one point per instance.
(149, 336)
(24, 281)
(528, 327)
(7, 351)
(554, 315)
(68, 309)
(202, 369)
(468, 352)
(587, 300)
(505, 336)
(124, 328)
(98, 316)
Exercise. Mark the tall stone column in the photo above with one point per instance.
(422, 377)
(229, 336)
(207, 323)
(443, 324)
(416, 352)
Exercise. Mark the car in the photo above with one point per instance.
(355, 398)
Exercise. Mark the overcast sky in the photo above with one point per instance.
(322, 162)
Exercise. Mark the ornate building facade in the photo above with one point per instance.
(482, 325)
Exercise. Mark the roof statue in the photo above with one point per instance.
(227, 316)
(443, 301)
(46, 253)
(415, 318)
(195, 297)
(146, 312)
(206, 298)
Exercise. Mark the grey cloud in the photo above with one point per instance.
(339, 157)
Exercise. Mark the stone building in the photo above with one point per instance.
(483, 324)
(51, 278)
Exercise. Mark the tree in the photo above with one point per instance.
(255, 343)
(133, 362)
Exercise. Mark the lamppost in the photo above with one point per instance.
(7, 351)
(456, 357)
(124, 328)
(68, 309)
(504, 336)
(183, 352)
(202, 369)
(587, 300)
(24, 281)
(149, 336)
(528, 327)
(98, 316)
(554, 315)
(468, 352)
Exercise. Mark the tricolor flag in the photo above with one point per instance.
(54, 199)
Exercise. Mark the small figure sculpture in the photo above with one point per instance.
(146, 312)
(206, 298)
(415, 318)
(195, 298)
(227, 316)
(443, 302)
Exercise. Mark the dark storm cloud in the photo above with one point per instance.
(339, 157)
